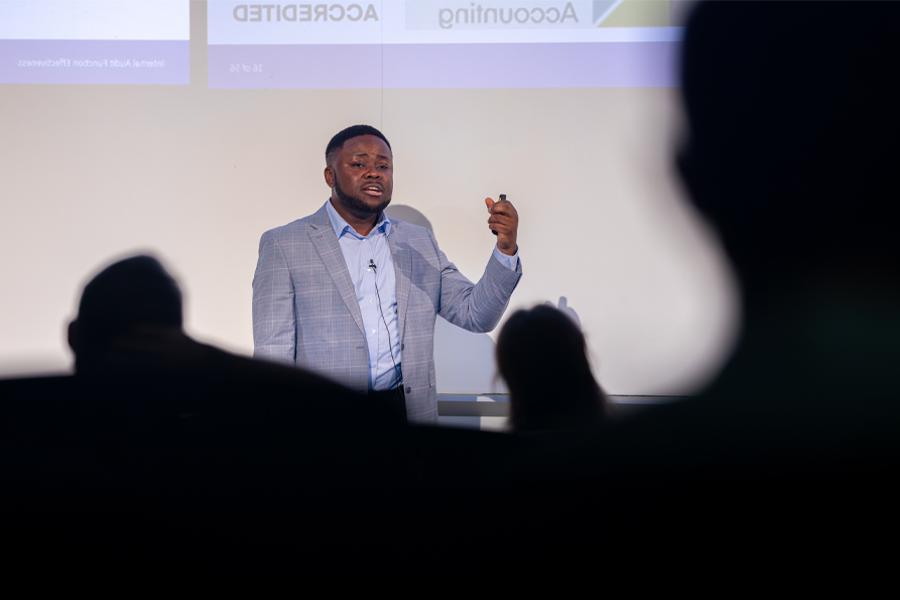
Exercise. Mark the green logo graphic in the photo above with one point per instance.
(633, 13)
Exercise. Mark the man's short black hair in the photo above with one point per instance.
(337, 142)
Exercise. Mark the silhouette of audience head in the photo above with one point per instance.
(793, 135)
(542, 357)
(131, 296)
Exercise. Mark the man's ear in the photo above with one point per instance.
(329, 176)
(692, 181)
(72, 336)
(685, 170)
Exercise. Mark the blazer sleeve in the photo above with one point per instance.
(475, 306)
(274, 321)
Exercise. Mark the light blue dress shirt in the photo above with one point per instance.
(380, 320)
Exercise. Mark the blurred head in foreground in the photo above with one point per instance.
(793, 137)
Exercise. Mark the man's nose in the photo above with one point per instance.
(373, 174)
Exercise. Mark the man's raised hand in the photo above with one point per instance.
(504, 223)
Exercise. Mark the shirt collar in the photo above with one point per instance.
(341, 226)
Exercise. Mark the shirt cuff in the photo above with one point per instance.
(510, 262)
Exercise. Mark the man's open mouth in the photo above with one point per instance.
(376, 191)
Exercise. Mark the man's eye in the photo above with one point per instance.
(357, 164)
(384, 167)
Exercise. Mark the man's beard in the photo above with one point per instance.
(357, 206)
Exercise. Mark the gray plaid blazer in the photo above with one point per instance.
(305, 310)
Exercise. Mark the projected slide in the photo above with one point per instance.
(442, 44)
(95, 41)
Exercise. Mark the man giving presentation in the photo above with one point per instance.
(352, 294)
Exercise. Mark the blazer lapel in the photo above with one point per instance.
(329, 249)
(402, 273)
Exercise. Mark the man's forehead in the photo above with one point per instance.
(366, 155)
(366, 145)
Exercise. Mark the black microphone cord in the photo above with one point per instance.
(374, 268)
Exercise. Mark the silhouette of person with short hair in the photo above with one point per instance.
(129, 331)
(131, 298)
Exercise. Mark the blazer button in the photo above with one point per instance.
(402, 346)
(408, 389)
